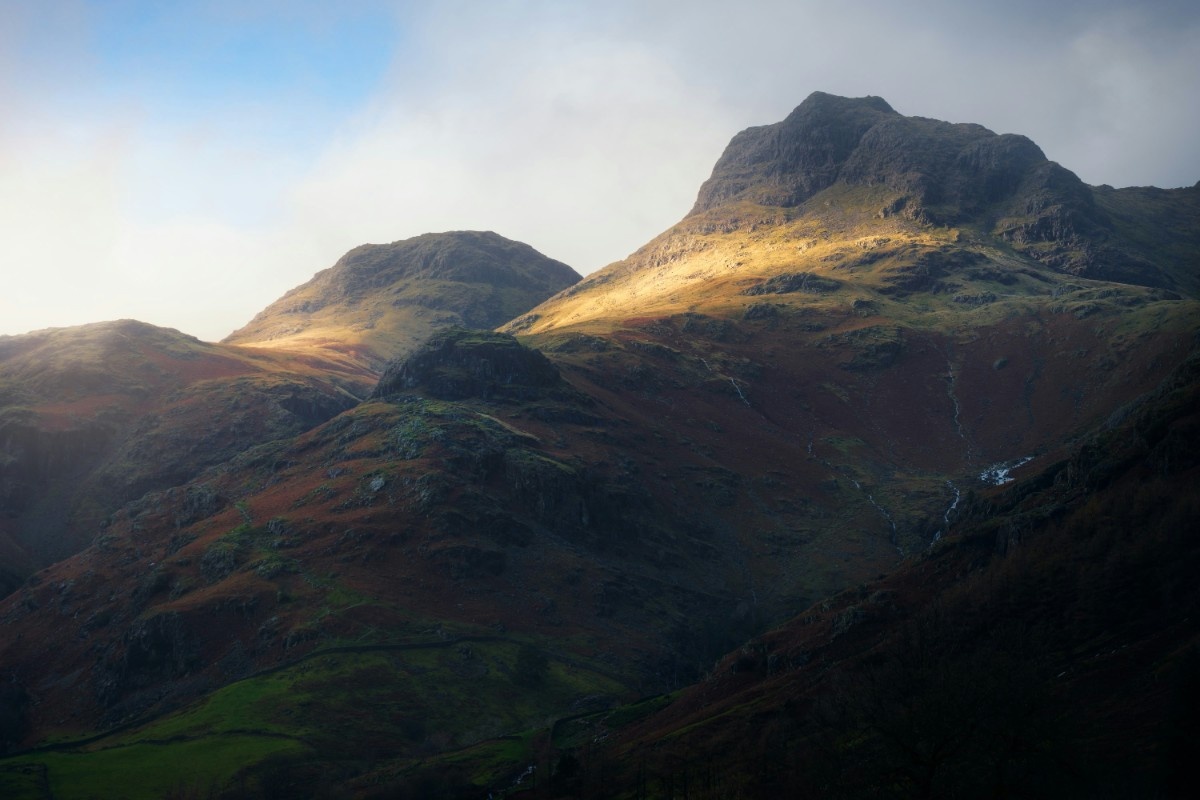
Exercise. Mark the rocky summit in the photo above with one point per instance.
(869, 476)
(378, 301)
(945, 174)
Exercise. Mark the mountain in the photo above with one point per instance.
(94, 417)
(1046, 647)
(871, 363)
(818, 384)
(848, 186)
(379, 300)
(955, 174)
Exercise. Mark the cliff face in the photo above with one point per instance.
(786, 163)
(943, 174)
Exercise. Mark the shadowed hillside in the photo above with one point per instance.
(1045, 647)
(807, 398)
(96, 416)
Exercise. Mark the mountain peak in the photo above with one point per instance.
(938, 173)
(786, 163)
(863, 141)
(461, 256)
(381, 299)
(818, 102)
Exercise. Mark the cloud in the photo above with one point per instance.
(582, 129)
(584, 148)
(74, 250)
(114, 204)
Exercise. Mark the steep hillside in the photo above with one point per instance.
(378, 301)
(867, 323)
(1159, 225)
(854, 282)
(94, 416)
(1046, 647)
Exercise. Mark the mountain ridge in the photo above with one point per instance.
(765, 408)
(94, 416)
(383, 299)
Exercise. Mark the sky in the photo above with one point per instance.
(186, 163)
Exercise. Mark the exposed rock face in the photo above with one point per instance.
(153, 651)
(862, 141)
(938, 173)
(457, 364)
(793, 282)
(786, 163)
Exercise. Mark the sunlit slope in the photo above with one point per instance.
(848, 189)
(380, 300)
(915, 300)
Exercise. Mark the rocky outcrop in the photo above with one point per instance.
(458, 364)
(790, 282)
(154, 651)
(786, 163)
(942, 173)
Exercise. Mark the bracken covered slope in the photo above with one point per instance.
(1046, 647)
(95, 416)
(794, 391)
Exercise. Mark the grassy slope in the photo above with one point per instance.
(725, 459)
(330, 541)
(1044, 648)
